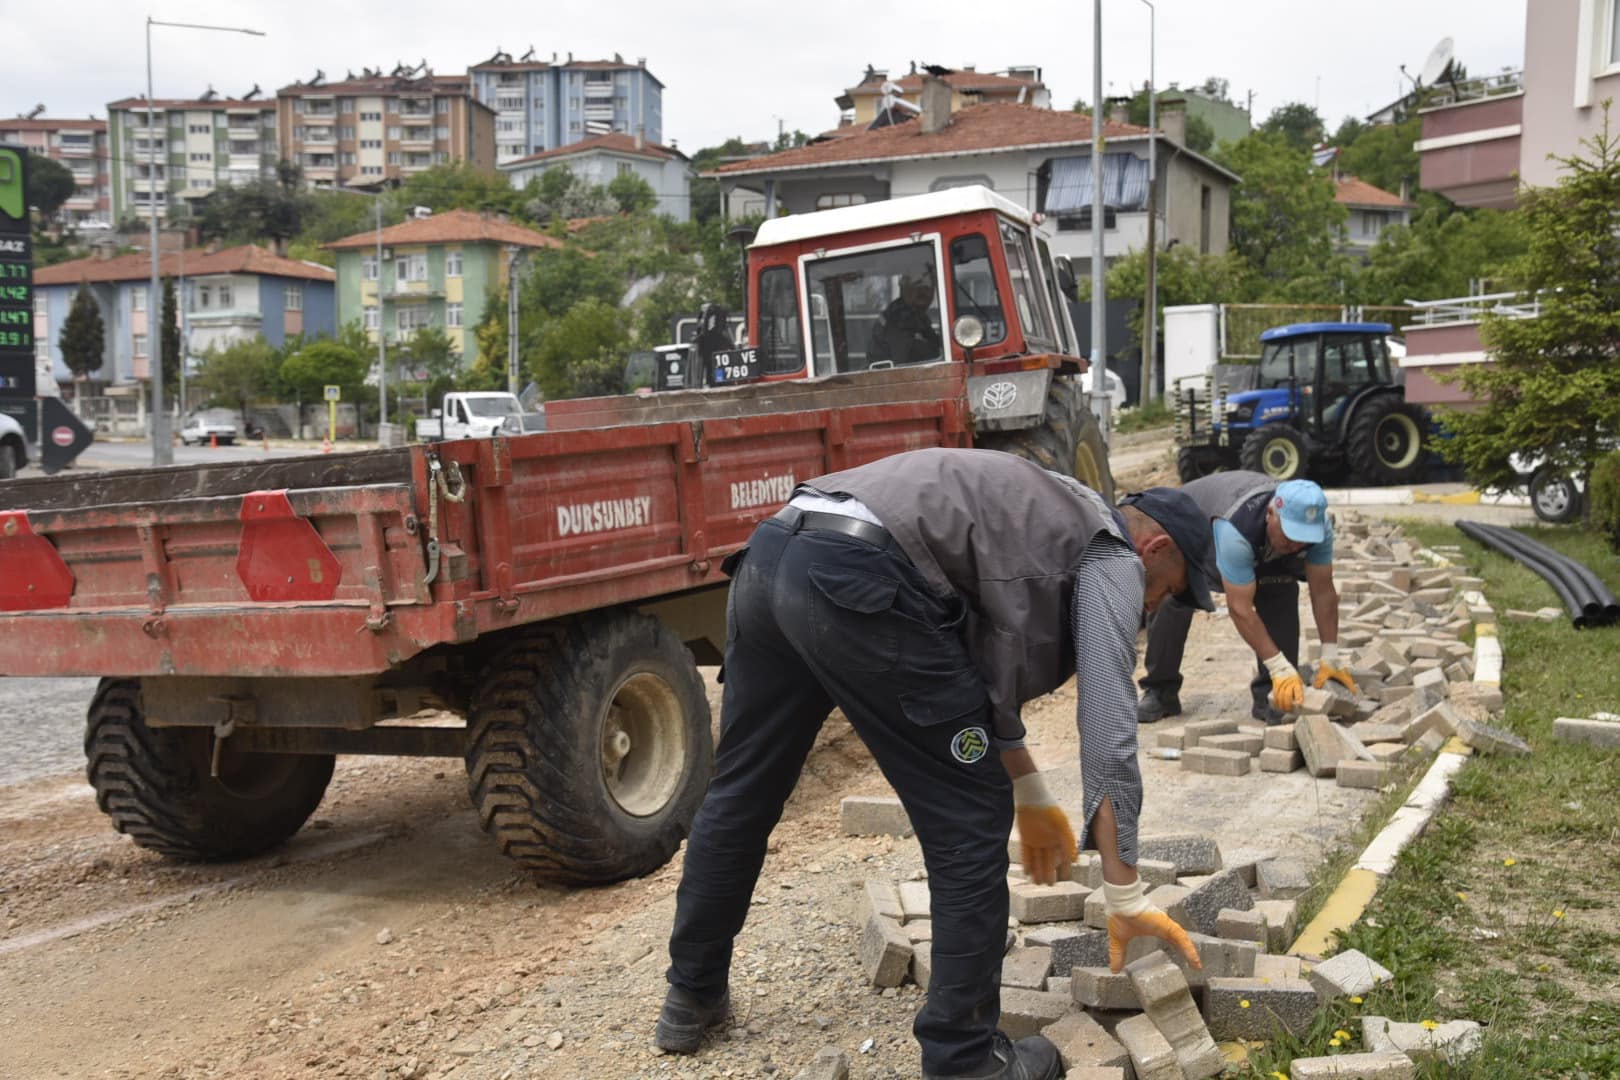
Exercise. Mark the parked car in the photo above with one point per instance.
(209, 425)
(1116, 388)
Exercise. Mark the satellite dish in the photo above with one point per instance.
(1435, 66)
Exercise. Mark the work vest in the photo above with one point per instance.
(1242, 498)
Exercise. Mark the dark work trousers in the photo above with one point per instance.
(817, 619)
(1276, 601)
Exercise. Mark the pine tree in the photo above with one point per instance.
(84, 336)
(170, 342)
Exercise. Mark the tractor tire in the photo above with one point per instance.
(590, 748)
(1193, 462)
(1276, 450)
(1067, 440)
(1385, 443)
(157, 784)
(1554, 496)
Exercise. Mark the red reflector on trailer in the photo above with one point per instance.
(281, 556)
(32, 573)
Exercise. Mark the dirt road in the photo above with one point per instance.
(390, 939)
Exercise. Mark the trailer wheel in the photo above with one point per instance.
(158, 786)
(1276, 450)
(1385, 440)
(1193, 462)
(1067, 440)
(590, 749)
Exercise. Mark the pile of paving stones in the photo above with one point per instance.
(1404, 639)
(1159, 1019)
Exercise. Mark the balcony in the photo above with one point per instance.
(1444, 335)
(416, 108)
(413, 290)
(1469, 150)
(71, 147)
(419, 136)
(602, 89)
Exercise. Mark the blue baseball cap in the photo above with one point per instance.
(1301, 506)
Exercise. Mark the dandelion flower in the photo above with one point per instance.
(1559, 914)
(1356, 1000)
(1334, 1042)
(1279, 1076)
(1430, 1025)
(1509, 862)
(1244, 1004)
(1463, 897)
(1342, 1034)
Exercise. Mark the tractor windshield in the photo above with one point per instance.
(875, 309)
(1288, 359)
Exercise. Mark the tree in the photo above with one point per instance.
(84, 336)
(1284, 217)
(1297, 122)
(1183, 277)
(1553, 386)
(1216, 88)
(239, 374)
(459, 186)
(432, 361)
(263, 210)
(1443, 252)
(50, 184)
(319, 364)
(632, 193)
(582, 353)
(1200, 137)
(169, 342)
(559, 195)
(1383, 156)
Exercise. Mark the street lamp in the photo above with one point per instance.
(1100, 399)
(1150, 342)
(162, 448)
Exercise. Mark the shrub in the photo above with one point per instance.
(1604, 493)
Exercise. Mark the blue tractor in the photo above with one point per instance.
(1324, 400)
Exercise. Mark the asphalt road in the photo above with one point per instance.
(137, 454)
(42, 727)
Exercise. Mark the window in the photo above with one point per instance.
(41, 304)
(295, 298)
(625, 168)
(348, 157)
(201, 185)
(781, 342)
(452, 315)
(452, 264)
(137, 298)
(393, 131)
(371, 144)
(875, 309)
(839, 198)
(202, 157)
(411, 267)
(1289, 359)
(298, 105)
(368, 268)
(368, 317)
(500, 125)
(442, 106)
(140, 344)
(371, 170)
(205, 296)
(506, 101)
(225, 296)
(440, 157)
(573, 125)
(346, 105)
(345, 132)
(1026, 291)
(42, 349)
(973, 286)
(200, 129)
(441, 133)
(371, 117)
(393, 157)
(410, 317)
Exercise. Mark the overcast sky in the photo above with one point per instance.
(743, 68)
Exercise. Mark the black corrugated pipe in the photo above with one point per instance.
(1476, 531)
(1596, 599)
(1531, 553)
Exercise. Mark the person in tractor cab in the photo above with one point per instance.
(929, 595)
(1267, 537)
(905, 332)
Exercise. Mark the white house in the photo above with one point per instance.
(602, 159)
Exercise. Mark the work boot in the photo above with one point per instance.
(1157, 704)
(1032, 1058)
(685, 1017)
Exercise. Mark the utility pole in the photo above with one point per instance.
(514, 255)
(1100, 401)
(382, 348)
(1150, 339)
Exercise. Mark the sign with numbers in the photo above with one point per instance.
(734, 366)
(334, 393)
(16, 277)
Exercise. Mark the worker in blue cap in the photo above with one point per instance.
(1267, 538)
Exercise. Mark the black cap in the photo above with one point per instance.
(1187, 525)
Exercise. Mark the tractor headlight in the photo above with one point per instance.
(968, 330)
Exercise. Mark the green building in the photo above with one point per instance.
(1229, 122)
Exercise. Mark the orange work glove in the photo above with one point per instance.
(1131, 915)
(1287, 688)
(1044, 836)
(1329, 669)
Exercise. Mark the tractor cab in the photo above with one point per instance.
(1325, 397)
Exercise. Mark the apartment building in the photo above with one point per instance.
(378, 128)
(543, 105)
(201, 143)
(81, 146)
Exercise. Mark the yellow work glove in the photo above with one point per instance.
(1044, 837)
(1329, 669)
(1287, 688)
(1132, 915)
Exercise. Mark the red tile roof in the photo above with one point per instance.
(616, 142)
(246, 259)
(963, 82)
(1356, 192)
(20, 124)
(977, 130)
(450, 227)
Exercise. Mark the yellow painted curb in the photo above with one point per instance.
(1455, 745)
(1338, 914)
(1459, 498)
(1485, 629)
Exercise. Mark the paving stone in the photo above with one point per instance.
(1088, 870)
(1373, 1066)
(1219, 956)
(1252, 1009)
(1203, 759)
(1282, 879)
(873, 815)
(1070, 947)
(914, 900)
(1281, 737)
(1269, 968)
(1152, 1056)
(1156, 872)
(1026, 967)
(1370, 775)
(830, 1064)
(1031, 903)
(1222, 890)
(922, 955)
(1097, 910)
(1321, 743)
(1600, 733)
(1167, 1000)
(1351, 973)
(1192, 733)
(1387, 753)
(1172, 900)
(1242, 742)
(878, 897)
(1192, 853)
(1169, 738)
(885, 952)
(1026, 1012)
(1060, 986)
(1235, 925)
(1096, 987)
(918, 930)
(1491, 739)
(1370, 732)
(1100, 1072)
(1082, 1044)
(1281, 922)
(1316, 702)
(1485, 697)
(1453, 1042)
(1430, 741)
(1280, 761)
(1243, 861)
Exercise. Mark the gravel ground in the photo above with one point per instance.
(42, 727)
